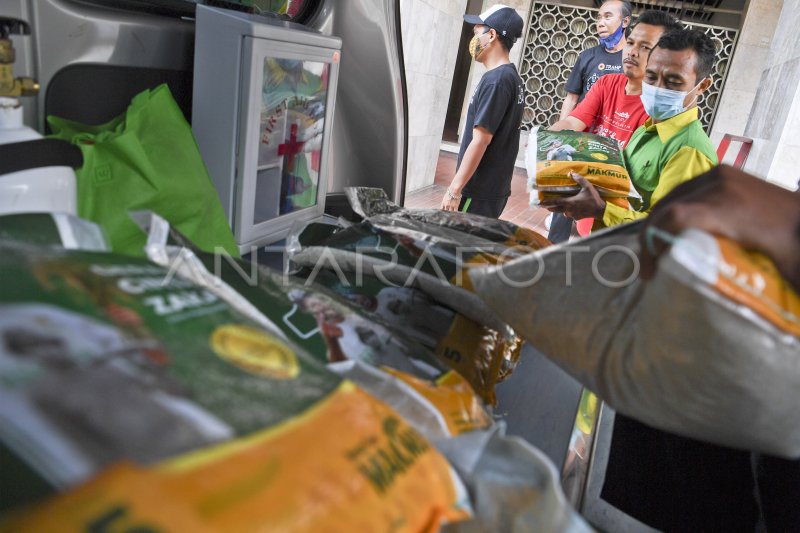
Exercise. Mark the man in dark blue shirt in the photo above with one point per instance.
(489, 144)
(613, 17)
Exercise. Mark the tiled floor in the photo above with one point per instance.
(517, 210)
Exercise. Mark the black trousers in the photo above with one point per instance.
(560, 228)
(487, 208)
(673, 483)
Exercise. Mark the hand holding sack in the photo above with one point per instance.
(707, 349)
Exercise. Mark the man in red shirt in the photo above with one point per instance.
(613, 107)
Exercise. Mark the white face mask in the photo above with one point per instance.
(662, 104)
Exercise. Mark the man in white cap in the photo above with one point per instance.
(489, 144)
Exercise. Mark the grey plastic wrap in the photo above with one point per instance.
(671, 352)
(514, 486)
(401, 256)
(489, 234)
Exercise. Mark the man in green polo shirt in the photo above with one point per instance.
(671, 147)
(650, 473)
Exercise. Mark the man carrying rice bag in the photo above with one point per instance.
(613, 107)
(671, 147)
(692, 475)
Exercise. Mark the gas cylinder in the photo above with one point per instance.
(34, 188)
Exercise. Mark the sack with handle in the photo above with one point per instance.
(146, 158)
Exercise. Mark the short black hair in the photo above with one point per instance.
(507, 42)
(695, 40)
(627, 8)
(653, 17)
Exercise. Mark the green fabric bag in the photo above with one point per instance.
(146, 158)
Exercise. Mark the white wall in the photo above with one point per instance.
(746, 66)
(431, 33)
(774, 120)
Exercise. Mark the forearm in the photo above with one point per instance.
(783, 247)
(469, 163)
(569, 104)
(569, 123)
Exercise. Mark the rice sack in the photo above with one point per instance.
(708, 349)
(467, 228)
(330, 328)
(106, 358)
(599, 159)
(437, 266)
(483, 356)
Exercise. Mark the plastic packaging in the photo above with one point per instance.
(332, 329)
(108, 358)
(489, 234)
(515, 487)
(483, 356)
(435, 265)
(597, 158)
(708, 349)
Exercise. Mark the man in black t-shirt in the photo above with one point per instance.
(489, 144)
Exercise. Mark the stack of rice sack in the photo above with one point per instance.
(707, 349)
(335, 331)
(233, 426)
(421, 260)
(154, 397)
(552, 156)
(482, 355)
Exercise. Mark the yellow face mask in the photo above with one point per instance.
(475, 47)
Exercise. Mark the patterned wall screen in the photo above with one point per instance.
(558, 33)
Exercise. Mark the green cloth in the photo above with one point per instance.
(146, 159)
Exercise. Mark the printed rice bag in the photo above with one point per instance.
(123, 496)
(107, 358)
(597, 158)
(331, 328)
(707, 349)
(437, 266)
(483, 356)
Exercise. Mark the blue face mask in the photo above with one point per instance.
(612, 40)
(662, 104)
